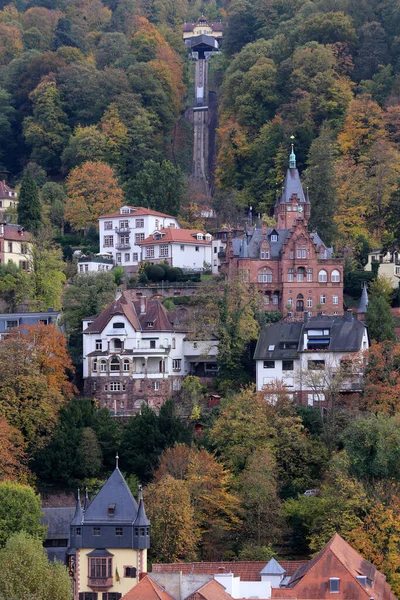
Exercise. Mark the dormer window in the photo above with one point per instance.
(200, 236)
(125, 210)
(264, 254)
(334, 585)
(274, 237)
(111, 509)
(150, 323)
(362, 579)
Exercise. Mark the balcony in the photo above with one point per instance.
(100, 584)
(125, 246)
(122, 230)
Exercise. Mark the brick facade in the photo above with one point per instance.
(290, 266)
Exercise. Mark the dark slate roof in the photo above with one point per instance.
(318, 242)
(345, 336)
(202, 40)
(249, 246)
(275, 334)
(78, 516)
(114, 491)
(272, 568)
(57, 521)
(292, 186)
(141, 519)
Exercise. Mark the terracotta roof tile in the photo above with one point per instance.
(186, 236)
(155, 313)
(138, 211)
(212, 590)
(16, 233)
(246, 570)
(5, 190)
(147, 589)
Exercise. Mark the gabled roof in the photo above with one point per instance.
(114, 491)
(273, 568)
(212, 590)
(353, 562)
(179, 236)
(147, 589)
(137, 211)
(155, 313)
(57, 520)
(6, 190)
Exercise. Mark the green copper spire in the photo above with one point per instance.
(292, 159)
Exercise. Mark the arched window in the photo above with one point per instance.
(116, 344)
(322, 276)
(103, 366)
(300, 303)
(335, 276)
(264, 276)
(126, 365)
(115, 364)
(300, 274)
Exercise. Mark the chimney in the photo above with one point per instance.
(349, 314)
(264, 229)
(143, 305)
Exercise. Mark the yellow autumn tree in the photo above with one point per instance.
(92, 190)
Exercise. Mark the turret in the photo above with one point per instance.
(141, 526)
(293, 204)
(76, 524)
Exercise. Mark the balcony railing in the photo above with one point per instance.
(122, 229)
(123, 246)
(100, 583)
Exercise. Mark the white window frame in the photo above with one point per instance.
(322, 276)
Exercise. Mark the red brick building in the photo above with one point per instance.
(289, 265)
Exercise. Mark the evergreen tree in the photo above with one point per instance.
(320, 179)
(379, 320)
(29, 207)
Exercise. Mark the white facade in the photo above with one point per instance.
(217, 247)
(310, 370)
(186, 249)
(91, 265)
(120, 233)
(244, 589)
(389, 265)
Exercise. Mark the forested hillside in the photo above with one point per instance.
(326, 72)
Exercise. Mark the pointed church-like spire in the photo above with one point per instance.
(362, 309)
(86, 505)
(78, 516)
(292, 159)
(141, 519)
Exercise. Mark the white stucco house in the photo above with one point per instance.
(389, 265)
(189, 249)
(121, 232)
(306, 356)
(137, 352)
(94, 264)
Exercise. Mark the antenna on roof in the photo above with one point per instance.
(116, 460)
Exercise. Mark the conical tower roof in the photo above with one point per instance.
(362, 309)
(272, 568)
(141, 519)
(78, 516)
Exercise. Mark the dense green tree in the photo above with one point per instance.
(63, 35)
(47, 131)
(27, 572)
(47, 277)
(87, 294)
(157, 186)
(320, 181)
(373, 51)
(29, 207)
(380, 321)
(373, 447)
(146, 435)
(20, 510)
(82, 428)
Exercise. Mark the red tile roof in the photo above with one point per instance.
(15, 233)
(147, 589)
(212, 590)
(137, 211)
(336, 559)
(5, 190)
(153, 312)
(246, 570)
(178, 236)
